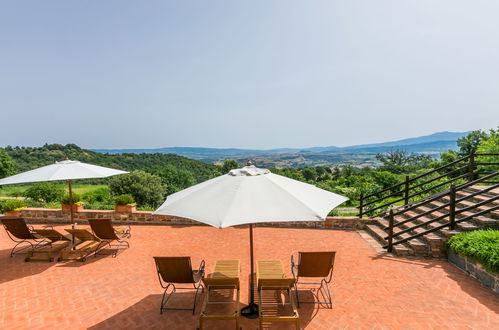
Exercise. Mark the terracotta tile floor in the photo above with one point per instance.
(369, 290)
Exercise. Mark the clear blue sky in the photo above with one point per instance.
(250, 74)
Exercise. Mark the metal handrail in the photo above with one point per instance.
(471, 174)
(429, 231)
(462, 186)
(446, 215)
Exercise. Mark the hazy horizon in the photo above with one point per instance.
(249, 75)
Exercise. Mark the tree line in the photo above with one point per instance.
(155, 176)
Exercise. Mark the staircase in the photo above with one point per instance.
(425, 221)
(433, 214)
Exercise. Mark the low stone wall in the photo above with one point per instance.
(475, 270)
(42, 215)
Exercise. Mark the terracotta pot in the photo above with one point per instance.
(76, 207)
(125, 208)
(12, 213)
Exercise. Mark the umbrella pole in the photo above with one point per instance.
(71, 203)
(251, 311)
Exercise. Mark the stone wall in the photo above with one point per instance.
(41, 215)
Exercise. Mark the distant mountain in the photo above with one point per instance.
(432, 143)
(435, 137)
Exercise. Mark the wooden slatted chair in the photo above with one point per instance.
(178, 270)
(315, 265)
(57, 242)
(19, 232)
(104, 230)
(270, 277)
(222, 298)
(86, 244)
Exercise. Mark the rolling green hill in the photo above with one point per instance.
(29, 158)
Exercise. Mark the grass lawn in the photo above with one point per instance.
(18, 190)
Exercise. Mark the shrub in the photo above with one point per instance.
(125, 199)
(13, 205)
(145, 188)
(479, 245)
(76, 199)
(45, 192)
(100, 195)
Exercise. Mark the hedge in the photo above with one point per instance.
(479, 245)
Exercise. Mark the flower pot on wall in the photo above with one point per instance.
(76, 207)
(125, 208)
(12, 213)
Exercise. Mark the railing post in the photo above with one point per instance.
(361, 204)
(390, 231)
(452, 207)
(471, 166)
(406, 190)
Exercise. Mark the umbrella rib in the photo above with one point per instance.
(297, 199)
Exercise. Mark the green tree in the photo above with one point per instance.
(229, 164)
(489, 146)
(469, 143)
(7, 165)
(173, 178)
(399, 161)
(309, 173)
(146, 188)
(45, 192)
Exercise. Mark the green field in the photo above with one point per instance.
(18, 190)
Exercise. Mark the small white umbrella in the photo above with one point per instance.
(65, 170)
(251, 195)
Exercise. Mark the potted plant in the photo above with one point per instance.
(13, 207)
(125, 203)
(77, 203)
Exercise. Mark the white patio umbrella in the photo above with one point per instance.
(251, 195)
(65, 170)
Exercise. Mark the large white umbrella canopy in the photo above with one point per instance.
(251, 195)
(64, 170)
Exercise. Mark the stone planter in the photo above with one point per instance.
(12, 213)
(475, 270)
(125, 208)
(76, 207)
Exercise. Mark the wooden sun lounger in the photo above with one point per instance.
(106, 232)
(224, 277)
(87, 244)
(58, 241)
(270, 277)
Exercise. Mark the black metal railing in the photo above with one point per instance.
(418, 188)
(487, 198)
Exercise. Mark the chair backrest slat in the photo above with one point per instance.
(83, 234)
(17, 227)
(51, 234)
(175, 269)
(276, 282)
(315, 264)
(103, 228)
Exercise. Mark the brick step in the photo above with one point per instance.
(480, 188)
(476, 199)
(467, 226)
(443, 211)
(433, 238)
(448, 233)
(468, 203)
(417, 244)
(379, 234)
(486, 222)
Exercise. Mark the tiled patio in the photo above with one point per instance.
(369, 290)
